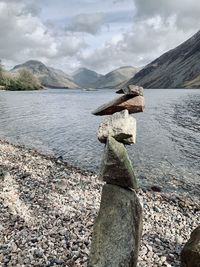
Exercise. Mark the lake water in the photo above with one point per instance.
(59, 122)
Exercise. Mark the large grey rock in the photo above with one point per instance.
(130, 102)
(120, 125)
(131, 89)
(190, 255)
(117, 230)
(116, 167)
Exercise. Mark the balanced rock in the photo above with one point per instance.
(117, 230)
(190, 255)
(132, 103)
(116, 167)
(131, 89)
(120, 126)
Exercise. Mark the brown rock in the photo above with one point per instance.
(190, 255)
(132, 103)
(117, 229)
(132, 90)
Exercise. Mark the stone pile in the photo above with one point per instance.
(118, 227)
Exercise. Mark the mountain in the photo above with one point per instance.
(49, 77)
(85, 77)
(178, 68)
(116, 77)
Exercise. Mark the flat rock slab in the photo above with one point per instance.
(116, 167)
(190, 255)
(132, 103)
(132, 90)
(117, 230)
(120, 126)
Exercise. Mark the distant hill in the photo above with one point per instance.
(85, 78)
(178, 68)
(49, 77)
(116, 77)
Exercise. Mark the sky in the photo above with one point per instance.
(101, 35)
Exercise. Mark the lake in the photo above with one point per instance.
(59, 122)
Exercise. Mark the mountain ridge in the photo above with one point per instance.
(116, 77)
(85, 77)
(176, 68)
(49, 77)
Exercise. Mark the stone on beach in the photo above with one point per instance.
(131, 89)
(190, 255)
(2, 87)
(120, 126)
(116, 167)
(117, 230)
(132, 103)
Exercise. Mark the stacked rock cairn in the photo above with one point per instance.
(118, 227)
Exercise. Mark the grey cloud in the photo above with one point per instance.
(186, 12)
(89, 23)
(31, 8)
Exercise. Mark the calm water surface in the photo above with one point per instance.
(59, 122)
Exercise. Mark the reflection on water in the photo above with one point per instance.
(59, 122)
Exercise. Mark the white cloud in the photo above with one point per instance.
(25, 36)
(97, 34)
(143, 43)
(157, 27)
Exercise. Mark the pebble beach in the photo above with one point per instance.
(48, 208)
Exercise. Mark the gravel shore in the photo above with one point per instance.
(47, 210)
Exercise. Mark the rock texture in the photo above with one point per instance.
(48, 77)
(178, 68)
(132, 90)
(190, 255)
(116, 167)
(118, 228)
(120, 126)
(129, 102)
(115, 77)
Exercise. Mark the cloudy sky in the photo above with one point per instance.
(98, 34)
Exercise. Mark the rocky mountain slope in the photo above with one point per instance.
(178, 68)
(85, 77)
(114, 78)
(49, 77)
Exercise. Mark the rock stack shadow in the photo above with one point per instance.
(118, 227)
